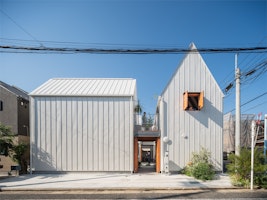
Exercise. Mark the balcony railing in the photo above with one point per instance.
(146, 123)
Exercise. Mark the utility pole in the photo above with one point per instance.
(237, 110)
(265, 137)
(253, 125)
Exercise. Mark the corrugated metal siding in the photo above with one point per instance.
(82, 133)
(86, 87)
(191, 130)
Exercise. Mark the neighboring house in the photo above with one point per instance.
(191, 114)
(245, 133)
(83, 125)
(14, 112)
(14, 109)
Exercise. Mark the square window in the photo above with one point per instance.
(193, 100)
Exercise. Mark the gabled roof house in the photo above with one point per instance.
(83, 125)
(14, 113)
(14, 108)
(191, 114)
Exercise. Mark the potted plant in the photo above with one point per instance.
(138, 110)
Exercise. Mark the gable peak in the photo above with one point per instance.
(192, 46)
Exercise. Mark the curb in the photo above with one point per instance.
(122, 189)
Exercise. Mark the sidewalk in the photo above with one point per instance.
(110, 181)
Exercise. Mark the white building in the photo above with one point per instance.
(89, 124)
(191, 114)
(83, 125)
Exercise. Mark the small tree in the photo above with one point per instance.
(6, 140)
(18, 155)
(240, 166)
(200, 166)
(149, 122)
(8, 148)
(138, 108)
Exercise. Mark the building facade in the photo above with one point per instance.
(191, 114)
(14, 113)
(83, 125)
(14, 109)
(90, 124)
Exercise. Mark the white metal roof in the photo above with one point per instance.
(87, 87)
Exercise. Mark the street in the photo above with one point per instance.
(137, 194)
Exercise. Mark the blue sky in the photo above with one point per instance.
(133, 24)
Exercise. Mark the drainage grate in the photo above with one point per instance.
(193, 182)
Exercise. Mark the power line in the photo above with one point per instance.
(254, 58)
(23, 29)
(248, 64)
(93, 44)
(256, 106)
(255, 98)
(251, 75)
(53, 50)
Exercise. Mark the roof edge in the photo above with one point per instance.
(43, 89)
(191, 47)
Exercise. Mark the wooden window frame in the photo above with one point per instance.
(193, 101)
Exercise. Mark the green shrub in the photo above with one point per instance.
(200, 166)
(239, 168)
(19, 156)
(8, 148)
(202, 157)
(203, 171)
(187, 170)
(6, 140)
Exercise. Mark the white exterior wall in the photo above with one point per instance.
(188, 131)
(82, 133)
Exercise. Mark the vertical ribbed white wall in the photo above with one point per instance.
(191, 130)
(82, 133)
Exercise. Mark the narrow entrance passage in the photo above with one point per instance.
(146, 154)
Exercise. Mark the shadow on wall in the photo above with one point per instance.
(173, 167)
(218, 167)
(208, 112)
(41, 160)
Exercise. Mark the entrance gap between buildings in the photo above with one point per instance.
(146, 154)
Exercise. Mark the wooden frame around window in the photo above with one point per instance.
(193, 101)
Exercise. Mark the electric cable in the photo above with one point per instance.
(255, 98)
(23, 29)
(15, 49)
(256, 106)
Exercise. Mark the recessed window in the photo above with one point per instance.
(193, 100)
(1, 105)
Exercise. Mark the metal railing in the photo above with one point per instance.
(146, 122)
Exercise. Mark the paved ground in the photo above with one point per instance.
(110, 181)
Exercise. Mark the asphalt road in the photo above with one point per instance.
(129, 194)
